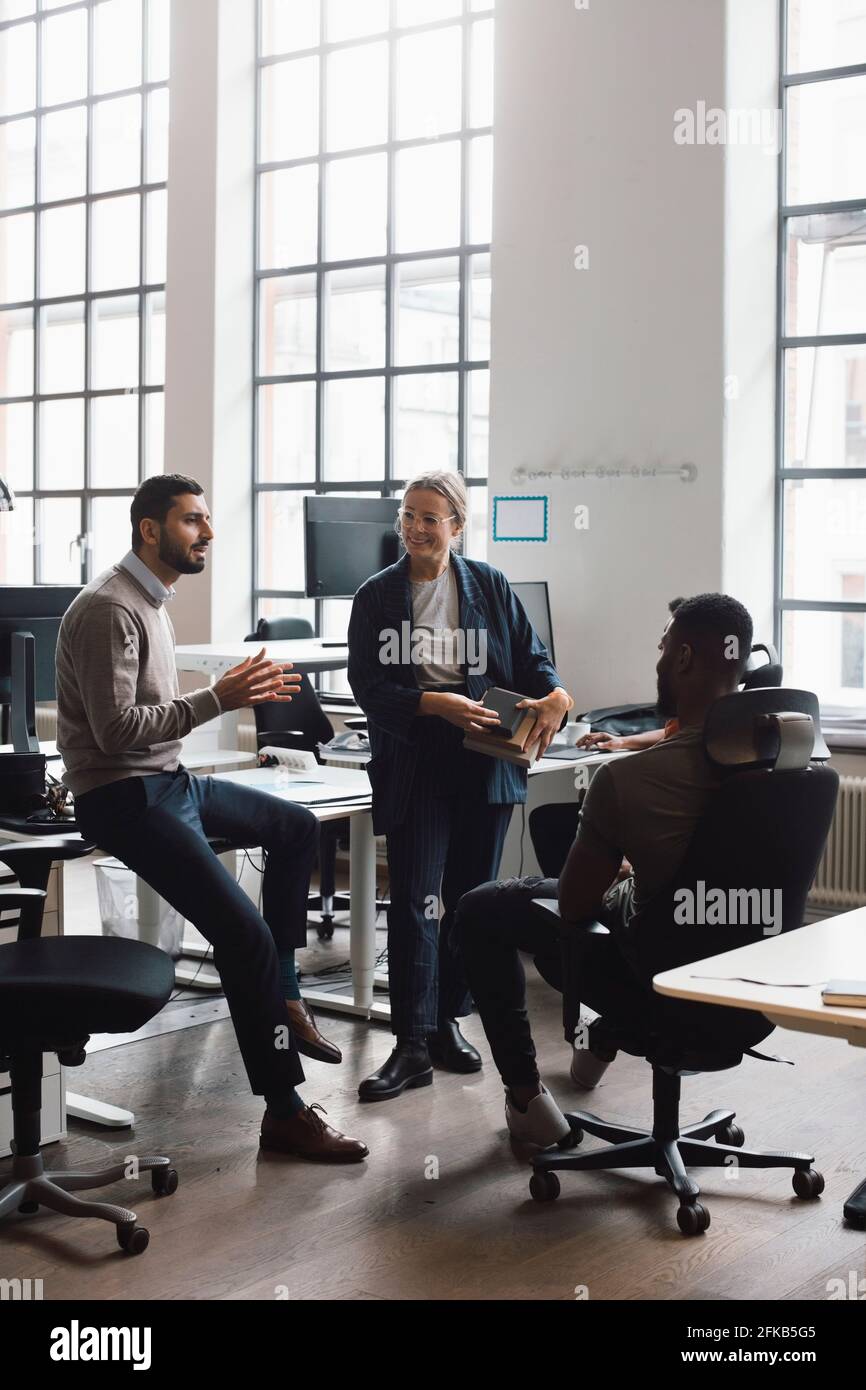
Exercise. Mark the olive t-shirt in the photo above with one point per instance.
(645, 808)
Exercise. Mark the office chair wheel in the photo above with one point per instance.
(28, 1208)
(163, 1181)
(544, 1187)
(572, 1138)
(693, 1219)
(133, 1239)
(731, 1135)
(325, 929)
(808, 1183)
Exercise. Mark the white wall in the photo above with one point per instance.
(209, 298)
(625, 363)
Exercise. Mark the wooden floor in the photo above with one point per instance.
(245, 1226)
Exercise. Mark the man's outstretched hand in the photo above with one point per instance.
(256, 682)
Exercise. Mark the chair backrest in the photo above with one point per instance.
(760, 673)
(301, 724)
(552, 829)
(281, 630)
(755, 852)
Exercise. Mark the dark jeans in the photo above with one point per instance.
(157, 826)
(494, 923)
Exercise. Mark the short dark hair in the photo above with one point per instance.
(155, 499)
(710, 622)
(674, 604)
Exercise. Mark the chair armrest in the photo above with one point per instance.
(31, 860)
(31, 903)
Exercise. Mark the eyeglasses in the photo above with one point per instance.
(428, 522)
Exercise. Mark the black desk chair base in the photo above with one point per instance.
(715, 1142)
(29, 1187)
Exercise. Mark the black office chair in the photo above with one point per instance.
(282, 630)
(760, 674)
(764, 828)
(54, 993)
(303, 725)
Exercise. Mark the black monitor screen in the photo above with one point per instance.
(348, 539)
(39, 610)
(534, 597)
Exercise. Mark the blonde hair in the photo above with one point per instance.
(450, 486)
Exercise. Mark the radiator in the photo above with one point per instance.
(841, 878)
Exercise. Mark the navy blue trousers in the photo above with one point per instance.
(157, 826)
(450, 841)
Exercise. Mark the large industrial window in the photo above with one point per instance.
(373, 265)
(822, 351)
(83, 165)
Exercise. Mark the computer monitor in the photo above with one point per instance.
(347, 540)
(536, 600)
(27, 667)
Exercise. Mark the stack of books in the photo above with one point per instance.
(509, 738)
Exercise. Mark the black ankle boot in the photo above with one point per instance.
(407, 1067)
(449, 1049)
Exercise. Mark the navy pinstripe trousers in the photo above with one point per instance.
(450, 841)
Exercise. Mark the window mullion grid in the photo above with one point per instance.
(786, 343)
(463, 262)
(781, 314)
(391, 271)
(89, 307)
(142, 238)
(257, 390)
(36, 559)
(392, 261)
(321, 428)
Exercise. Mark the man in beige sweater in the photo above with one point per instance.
(120, 721)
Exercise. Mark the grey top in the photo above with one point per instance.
(119, 709)
(435, 620)
(645, 808)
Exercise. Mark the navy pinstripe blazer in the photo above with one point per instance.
(389, 694)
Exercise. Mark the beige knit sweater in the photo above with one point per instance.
(119, 710)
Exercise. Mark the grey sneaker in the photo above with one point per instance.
(542, 1123)
(587, 1069)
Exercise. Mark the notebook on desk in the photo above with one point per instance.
(307, 789)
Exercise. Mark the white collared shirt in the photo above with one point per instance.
(146, 578)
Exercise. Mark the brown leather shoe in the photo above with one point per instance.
(307, 1135)
(307, 1036)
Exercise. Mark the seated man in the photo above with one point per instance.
(639, 811)
(120, 721)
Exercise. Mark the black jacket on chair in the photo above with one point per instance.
(516, 659)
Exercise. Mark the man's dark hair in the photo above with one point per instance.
(674, 604)
(719, 628)
(155, 499)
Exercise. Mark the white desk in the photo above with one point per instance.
(214, 658)
(764, 976)
(518, 856)
(359, 757)
(194, 760)
(832, 949)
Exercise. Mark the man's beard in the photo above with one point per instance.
(664, 696)
(178, 558)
